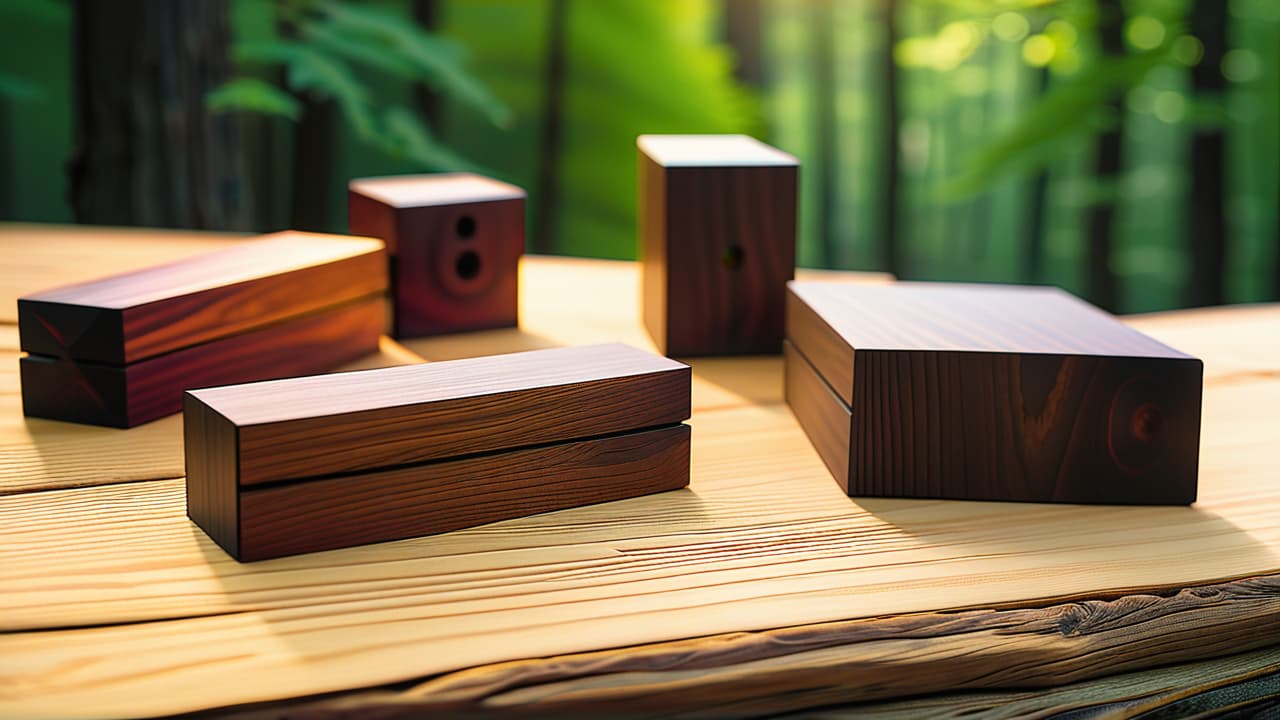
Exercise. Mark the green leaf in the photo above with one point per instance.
(327, 38)
(252, 95)
(405, 135)
(19, 89)
(1072, 106)
(434, 61)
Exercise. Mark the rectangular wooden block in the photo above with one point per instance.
(989, 393)
(119, 351)
(314, 463)
(454, 240)
(716, 221)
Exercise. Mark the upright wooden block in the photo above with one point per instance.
(989, 393)
(455, 241)
(119, 351)
(316, 463)
(717, 221)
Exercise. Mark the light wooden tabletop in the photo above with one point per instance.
(760, 589)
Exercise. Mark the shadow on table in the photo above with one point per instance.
(1208, 544)
(476, 344)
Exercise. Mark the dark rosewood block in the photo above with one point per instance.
(316, 463)
(716, 217)
(989, 393)
(455, 241)
(119, 351)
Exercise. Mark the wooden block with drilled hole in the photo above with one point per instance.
(989, 393)
(455, 241)
(317, 463)
(119, 351)
(716, 217)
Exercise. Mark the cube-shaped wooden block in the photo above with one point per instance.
(330, 461)
(455, 241)
(934, 390)
(717, 232)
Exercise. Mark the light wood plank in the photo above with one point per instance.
(757, 541)
(994, 656)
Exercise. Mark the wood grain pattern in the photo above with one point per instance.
(1049, 400)
(455, 241)
(127, 318)
(301, 427)
(454, 494)
(152, 617)
(868, 661)
(424, 449)
(717, 242)
(133, 394)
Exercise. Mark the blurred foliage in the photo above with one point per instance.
(631, 67)
(322, 44)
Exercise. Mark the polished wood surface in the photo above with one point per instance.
(990, 393)
(716, 221)
(455, 241)
(385, 454)
(301, 427)
(137, 393)
(133, 316)
(437, 497)
(117, 605)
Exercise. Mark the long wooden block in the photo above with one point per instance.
(989, 393)
(133, 316)
(312, 463)
(717, 223)
(454, 240)
(119, 351)
(128, 395)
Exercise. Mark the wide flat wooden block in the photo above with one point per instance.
(716, 222)
(989, 393)
(329, 461)
(455, 241)
(119, 351)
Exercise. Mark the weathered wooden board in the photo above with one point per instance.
(997, 657)
(761, 539)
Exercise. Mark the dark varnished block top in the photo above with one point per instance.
(133, 316)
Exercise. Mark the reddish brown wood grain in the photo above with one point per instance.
(455, 243)
(329, 461)
(138, 315)
(453, 494)
(125, 396)
(344, 422)
(717, 242)
(990, 394)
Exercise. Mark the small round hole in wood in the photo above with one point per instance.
(731, 258)
(467, 265)
(466, 227)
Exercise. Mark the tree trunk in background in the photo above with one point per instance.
(889, 251)
(1207, 206)
(827, 151)
(426, 15)
(1108, 164)
(543, 238)
(1038, 214)
(313, 166)
(743, 30)
(147, 152)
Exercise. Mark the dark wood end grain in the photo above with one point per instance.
(212, 486)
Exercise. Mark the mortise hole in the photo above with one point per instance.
(466, 226)
(467, 265)
(731, 258)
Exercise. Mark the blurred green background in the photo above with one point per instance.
(1128, 150)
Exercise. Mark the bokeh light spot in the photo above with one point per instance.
(1038, 50)
(1010, 26)
(1144, 32)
